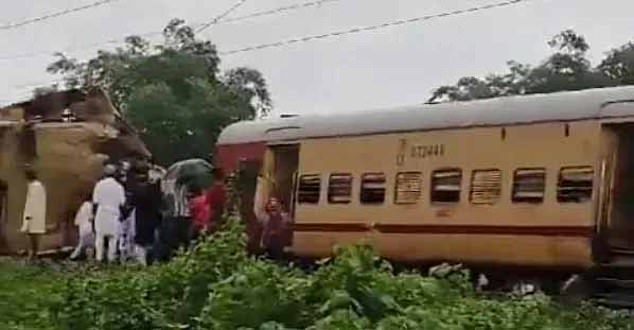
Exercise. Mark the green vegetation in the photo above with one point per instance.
(173, 92)
(26, 292)
(217, 286)
(567, 68)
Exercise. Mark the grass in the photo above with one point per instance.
(26, 291)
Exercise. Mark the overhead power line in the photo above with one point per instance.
(269, 12)
(221, 16)
(277, 10)
(345, 32)
(372, 27)
(32, 20)
(74, 48)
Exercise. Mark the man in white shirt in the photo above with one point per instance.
(108, 199)
(34, 215)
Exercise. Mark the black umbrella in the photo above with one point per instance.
(192, 173)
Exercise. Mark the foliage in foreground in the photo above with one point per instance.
(217, 286)
(25, 294)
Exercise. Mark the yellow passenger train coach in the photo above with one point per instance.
(531, 181)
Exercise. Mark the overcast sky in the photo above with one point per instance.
(389, 67)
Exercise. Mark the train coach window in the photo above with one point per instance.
(446, 186)
(408, 187)
(486, 187)
(575, 184)
(340, 188)
(529, 185)
(309, 189)
(373, 188)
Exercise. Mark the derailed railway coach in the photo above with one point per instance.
(537, 182)
(65, 137)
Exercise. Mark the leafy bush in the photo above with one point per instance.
(166, 296)
(26, 292)
(257, 293)
(216, 285)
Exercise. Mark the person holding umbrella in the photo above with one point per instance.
(178, 185)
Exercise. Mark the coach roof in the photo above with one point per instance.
(561, 106)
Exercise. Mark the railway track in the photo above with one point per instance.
(613, 283)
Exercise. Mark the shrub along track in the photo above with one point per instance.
(216, 285)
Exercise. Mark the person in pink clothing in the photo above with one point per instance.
(200, 211)
(216, 199)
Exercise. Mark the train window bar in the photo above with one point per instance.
(340, 188)
(575, 184)
(446, 185)
(372, 188)
(486, 187)
(529, 185)
(408, 187)
(309, 189)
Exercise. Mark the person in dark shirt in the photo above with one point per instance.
(216, 199)
(147, 205)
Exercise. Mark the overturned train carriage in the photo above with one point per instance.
(66, 137)
(540, 181)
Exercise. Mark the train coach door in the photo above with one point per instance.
(286, 162)
(616, 223)
(248, 170)
(604, 206)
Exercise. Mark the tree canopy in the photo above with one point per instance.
(173, 92)
(567, 68)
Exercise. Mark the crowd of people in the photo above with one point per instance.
(132, 213)
(124, 216)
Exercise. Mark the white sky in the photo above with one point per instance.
(384, 68)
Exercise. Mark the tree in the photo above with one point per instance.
(173, 92)
(619, 64)
(566, 69)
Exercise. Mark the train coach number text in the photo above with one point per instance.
(425, 151)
